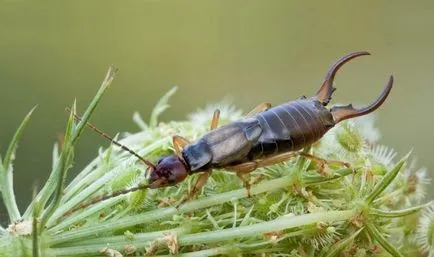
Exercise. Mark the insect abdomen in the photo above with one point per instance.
(290, 127)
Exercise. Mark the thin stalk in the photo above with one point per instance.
(35, 229)
(205, 253)
(7, 190)
(140, 237)
(373, 231)
(281, 223)
(83, 215)
(399, 213)
(35, 236)
(224, 235)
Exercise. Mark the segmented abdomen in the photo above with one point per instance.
(290, 127)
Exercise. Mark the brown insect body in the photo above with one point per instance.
(284, 128)
(268, 136)
(287, 127)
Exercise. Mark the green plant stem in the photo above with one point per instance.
(139, 237)
(258, 229)
(35, 236)
(285, 222)
(205, 253)
(83, 215)
(7, 190)
(399, 213)
(373, 231)
(126, 222)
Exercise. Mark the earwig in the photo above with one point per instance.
(267, 135)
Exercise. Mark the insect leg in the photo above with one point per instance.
(200, 182)
(247, 167)
(179, 143)
(321, 162)
(215, 119)
(260, 108)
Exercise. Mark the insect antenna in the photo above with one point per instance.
(105, 197)
(106, 136)
(101, 198)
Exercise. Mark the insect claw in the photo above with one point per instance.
(346, 112)
(324, 94)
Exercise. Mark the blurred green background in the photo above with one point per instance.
(253, 51)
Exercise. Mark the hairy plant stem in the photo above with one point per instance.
(167, 212)
(223, 235)
(399, 213)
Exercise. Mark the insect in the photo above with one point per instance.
(267, 135)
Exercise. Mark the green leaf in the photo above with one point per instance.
(91, 108)
(398, 213)
(373, 231)
(15, 139)
(336, 249)
(35, 232)
(6, 175)
(161, 106)
(387, 179)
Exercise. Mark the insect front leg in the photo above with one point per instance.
(179, 143)
(203, 177)
(200, 182)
